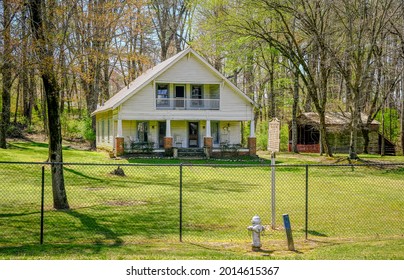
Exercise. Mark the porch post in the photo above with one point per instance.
(208, 130)
(119, 140)
(168, 139)
(208, 140)
(252, 128)
(252, 141)
(119, 133)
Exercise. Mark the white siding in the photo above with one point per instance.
(141, 102)
(128, 132)
(104, 137)
(230, 132)
(189, 70)
(141, 106)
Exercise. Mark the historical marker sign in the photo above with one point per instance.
(273, 135)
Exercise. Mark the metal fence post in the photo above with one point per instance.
(307, 202)
(42, 203)
(181, 202)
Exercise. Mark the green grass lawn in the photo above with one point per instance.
(353, 214)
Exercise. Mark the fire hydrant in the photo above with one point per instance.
(256, 229)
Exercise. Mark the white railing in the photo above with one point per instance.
(187, 104)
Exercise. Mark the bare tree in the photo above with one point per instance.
(301, 29)
(170, 21)
(6, 73)
(43, 42)
(357, 53)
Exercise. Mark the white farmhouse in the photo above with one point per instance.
(182, 102)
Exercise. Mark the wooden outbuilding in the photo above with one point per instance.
(338, 130)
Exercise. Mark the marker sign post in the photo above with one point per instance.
(273, 190)
(288, 229)
(273, 147)
(273, 135)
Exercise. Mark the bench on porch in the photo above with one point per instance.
(139, 146)
(226, 147)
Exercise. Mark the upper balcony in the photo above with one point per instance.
(172, 96)
(187, 104)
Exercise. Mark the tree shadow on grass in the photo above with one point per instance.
(82, 174)
(316, 233)
(91, 224)
(7, 215)
(28, 146)
(52, 251)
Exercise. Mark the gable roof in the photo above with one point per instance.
(152, 74)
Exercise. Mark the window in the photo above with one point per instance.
(108, 129)
(215, 132)
(103, 131)
(142, 129)
(196, 93)
(214, 91)
(162, 92)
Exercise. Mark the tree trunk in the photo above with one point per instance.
(354, 138)
(26, 90)
(402, 117)
(382, 149)
(272, 100)
(55, 141)
(6, 75)
(325, 147)
(44, 52)
(366, 140)
(355, 115)
(294, 112)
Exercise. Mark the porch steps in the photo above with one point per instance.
(191, 153)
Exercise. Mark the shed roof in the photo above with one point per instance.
(335, 120)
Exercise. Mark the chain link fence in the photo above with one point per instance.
(133, 203)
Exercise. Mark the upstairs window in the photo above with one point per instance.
(162, 94)
(196, 95)
(196, 92)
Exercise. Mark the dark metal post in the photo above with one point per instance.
(288, 228)
(42, 203)
(181, 202)
(307, 202)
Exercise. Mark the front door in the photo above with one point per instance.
(162, 133)
(179, 96)
(193, 134)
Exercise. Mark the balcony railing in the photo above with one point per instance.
(187, 104)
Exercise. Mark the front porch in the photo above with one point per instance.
(175, 137)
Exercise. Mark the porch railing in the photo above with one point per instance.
(187, 104)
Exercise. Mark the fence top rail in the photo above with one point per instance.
(257, 164)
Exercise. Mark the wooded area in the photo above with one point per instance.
(289, 56)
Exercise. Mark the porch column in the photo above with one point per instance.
(119, 140)
(208, 140)
(168, 139)
(252, 141)
(252, 128)
(208, 130)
